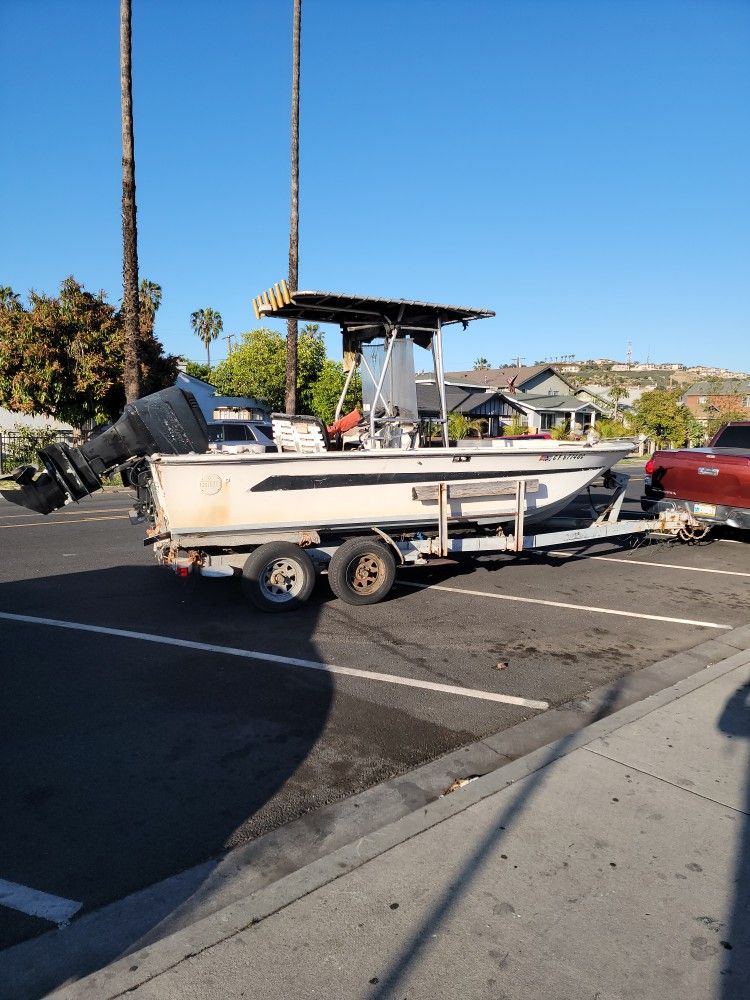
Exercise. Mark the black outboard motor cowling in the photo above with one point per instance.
(168, 422)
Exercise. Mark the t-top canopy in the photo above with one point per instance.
(364, 319)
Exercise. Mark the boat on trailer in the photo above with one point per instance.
(319, 503)
(212, 512)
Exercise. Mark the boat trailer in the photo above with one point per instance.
(279, 570)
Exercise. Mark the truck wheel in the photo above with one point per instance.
(278, 576)
(362, 571)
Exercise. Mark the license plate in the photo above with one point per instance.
(707, 509)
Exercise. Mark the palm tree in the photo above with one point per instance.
(149, 300)
(8, 298)
(461, 426)
(290, 400)
(207, 324)
(131, 373)
(617, 391)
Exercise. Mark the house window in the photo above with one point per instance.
(702, 400)
(548, 421)
(746, 401)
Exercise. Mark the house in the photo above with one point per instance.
(545, 413)
(217, 407)
(497, 409)
(712, 398)
(539, 379)
(545, 397)
(10, 420)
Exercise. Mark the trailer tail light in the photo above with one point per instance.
(183, 571)
(649, 469)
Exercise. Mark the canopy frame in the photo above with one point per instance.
(365, 319)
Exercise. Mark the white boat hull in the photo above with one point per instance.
(343, 492)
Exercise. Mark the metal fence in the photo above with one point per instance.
(20, 447)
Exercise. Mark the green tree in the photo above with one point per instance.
(561, 431)
(327, 389)
(63, 356)
(461, 426)
(481, 363)
(207, 324)
(157, 369)
(198, 369)
(617, 392)
(257, 367)
(517, 425)
(8, 298)
(611, 428)
(660, 415)
(722, 410)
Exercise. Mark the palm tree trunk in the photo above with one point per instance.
(208, 354)
(131, 374)
(291, 335)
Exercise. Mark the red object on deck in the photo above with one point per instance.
(345, 423)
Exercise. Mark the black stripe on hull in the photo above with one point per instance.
(327, 481)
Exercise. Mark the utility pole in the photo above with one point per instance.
(517, 361)
(229, 338)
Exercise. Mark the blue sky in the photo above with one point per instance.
(580, 166)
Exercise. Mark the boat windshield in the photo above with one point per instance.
(397, 395)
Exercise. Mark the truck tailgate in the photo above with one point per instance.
(704, 476)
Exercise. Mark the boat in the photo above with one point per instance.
(373, 491)
(390, 479)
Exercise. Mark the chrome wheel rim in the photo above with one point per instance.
(281, 580)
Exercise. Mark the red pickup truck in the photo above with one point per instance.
(712, 483)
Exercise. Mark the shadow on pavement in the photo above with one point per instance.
(126, 761)
(735, 982)
(392, 979)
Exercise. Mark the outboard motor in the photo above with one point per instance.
(168, 422)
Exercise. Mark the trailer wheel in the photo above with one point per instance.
(278, 576)
(362, 571)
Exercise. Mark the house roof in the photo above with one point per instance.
(499, 377)
(457, 399)
(725, 387)
(215, 396)
(547, 402)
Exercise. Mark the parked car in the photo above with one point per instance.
(240, 435)
(712, 483)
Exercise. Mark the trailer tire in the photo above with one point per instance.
(278, 576)
(362, 571)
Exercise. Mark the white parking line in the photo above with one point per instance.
(71, 510)
(572, 556)
(562, 604)
(67, 520)
(34, 903)
(288, 661)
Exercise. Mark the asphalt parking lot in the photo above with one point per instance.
(133, 748)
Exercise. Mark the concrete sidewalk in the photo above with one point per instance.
(613, 863)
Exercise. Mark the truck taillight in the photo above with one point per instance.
(649, 467)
